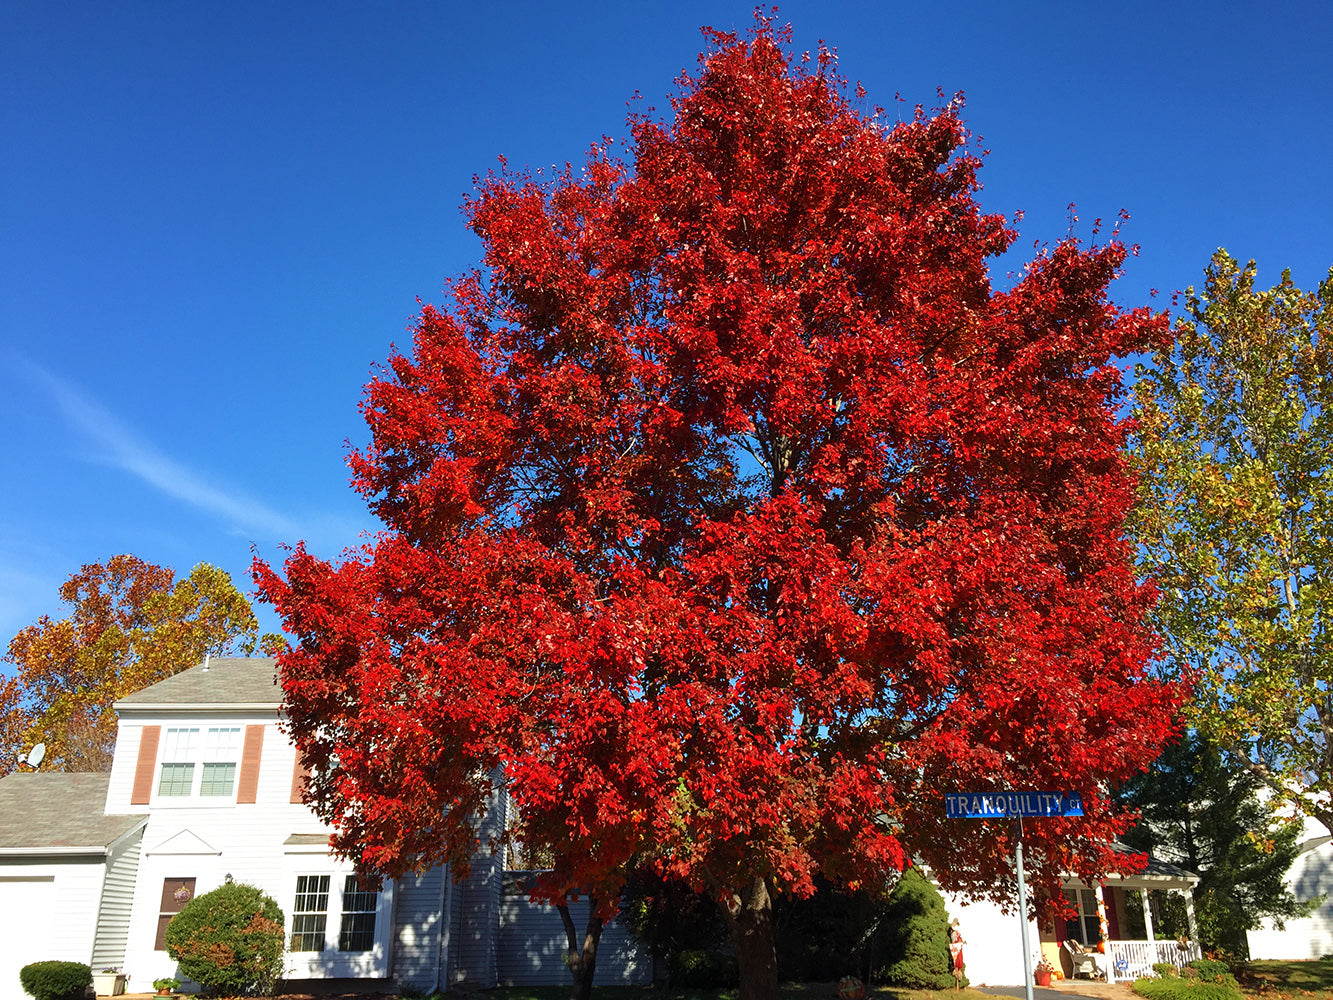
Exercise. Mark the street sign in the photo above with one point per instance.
(1005, 805)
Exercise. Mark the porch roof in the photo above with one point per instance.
(1156, 874)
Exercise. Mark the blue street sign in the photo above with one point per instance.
(1004, 805)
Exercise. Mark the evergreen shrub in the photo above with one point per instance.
(56, 980)
(229, 940)
(916, 938)
(1164, 969)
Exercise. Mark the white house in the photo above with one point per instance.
(205, 787)
(1310, 875)
(994, 953)
(66, 873)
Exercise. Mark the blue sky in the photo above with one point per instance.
(215, 218)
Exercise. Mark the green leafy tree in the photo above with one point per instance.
(1206, 816)
(917, 936)
(229, 940)
(1235, 452)
(130, 624)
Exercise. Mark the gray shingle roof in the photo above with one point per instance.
(226, 681)
(58, 812)
(307, 840)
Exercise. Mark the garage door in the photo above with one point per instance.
(24, 901)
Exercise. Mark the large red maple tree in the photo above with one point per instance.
(734, 518)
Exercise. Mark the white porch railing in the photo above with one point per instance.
(1129, 960)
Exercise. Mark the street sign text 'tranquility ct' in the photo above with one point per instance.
(1005, 805)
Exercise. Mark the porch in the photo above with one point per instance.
(1113, 926)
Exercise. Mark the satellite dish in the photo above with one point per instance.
(36, 755)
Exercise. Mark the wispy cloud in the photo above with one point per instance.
(123, 448)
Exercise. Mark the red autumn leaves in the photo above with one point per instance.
(733, 517)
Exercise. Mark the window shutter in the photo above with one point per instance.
(142, 791)
(299, 774)
(248, 788)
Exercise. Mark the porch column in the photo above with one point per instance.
(1189, 914)
(1147, 913)
(1104, 924)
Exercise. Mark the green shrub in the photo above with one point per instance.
(1164, 969)
(229, 940)
(695, 969)
(917, 936)
(56, 980)
(1175, 988)
(1209, 968)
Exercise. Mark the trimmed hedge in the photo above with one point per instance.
(1175, 988)
(229, 940)
(56, 980)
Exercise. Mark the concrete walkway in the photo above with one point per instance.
(1064, 989)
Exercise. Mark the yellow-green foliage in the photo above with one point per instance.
(1234, 447)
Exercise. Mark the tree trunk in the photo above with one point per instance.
(582, 960)
(751, 917)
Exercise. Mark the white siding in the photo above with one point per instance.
(128, 735)
(454, 901)
(1309, 937)
(532, 947)
(48, 911)
(113, 918)
(207, 840)
(418, 923)
(993, 948)
(474, 934)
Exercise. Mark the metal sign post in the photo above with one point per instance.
(1023, 913)
(1015, 805)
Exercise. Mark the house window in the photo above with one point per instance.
(309, 913)
(357, 931)
(176, 892)
(215, 748)
(178, 761)
(1086, 926)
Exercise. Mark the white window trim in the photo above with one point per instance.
(1083, 914)
(198, 755)
(332, 963)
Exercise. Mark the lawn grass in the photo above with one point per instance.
(787, 991)
(1295, 979)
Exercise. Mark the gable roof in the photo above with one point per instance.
(58, 813)
(224, 681)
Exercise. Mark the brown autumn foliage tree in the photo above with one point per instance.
(130, 624)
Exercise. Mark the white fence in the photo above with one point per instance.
(1134, 959)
